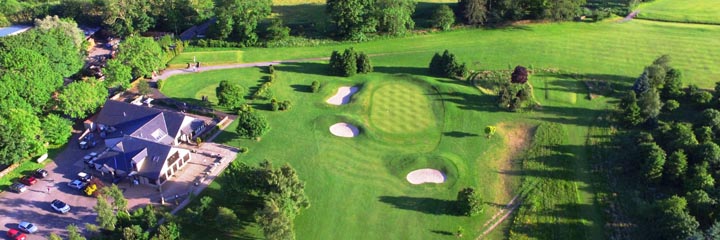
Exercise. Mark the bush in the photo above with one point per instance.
(701, 97)
(446, 65)
(274, 105)
(251, 125)
(271, 69)
(469, 202)
(216, 43)
(263, 92)
(244, 150)
(229, 95)
(315, 86)
(363, 63)
(443, 17)
(285, 105)
(160, 84)
(671, 105)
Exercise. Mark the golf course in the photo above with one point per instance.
(399, 119)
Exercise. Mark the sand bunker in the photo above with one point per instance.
(425, 175)
(342, 96)
(344, 130)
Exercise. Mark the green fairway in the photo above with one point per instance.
(362, 179)
(686, 11)
(606, 50)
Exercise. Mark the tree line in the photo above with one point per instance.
(674, 152)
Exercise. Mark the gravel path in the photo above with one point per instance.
(630, 16)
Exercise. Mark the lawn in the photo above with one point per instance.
(408, 121)
(606, 50)
(686, 11)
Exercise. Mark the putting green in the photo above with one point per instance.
(401, 108)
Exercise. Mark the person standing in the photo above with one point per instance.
(48, 189)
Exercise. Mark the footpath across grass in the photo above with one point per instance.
(684, 11)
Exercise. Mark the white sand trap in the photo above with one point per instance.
(342, 96)
(344, 130)
(425, 175)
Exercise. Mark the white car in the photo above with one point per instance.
(27, 227)
(60, 206)
(77, 184)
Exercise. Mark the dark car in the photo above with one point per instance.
(40, 173)
(28, 180)
(18, 187)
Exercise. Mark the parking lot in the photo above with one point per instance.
(33, 205)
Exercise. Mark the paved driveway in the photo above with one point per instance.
(33, 205)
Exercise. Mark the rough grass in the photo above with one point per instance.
(607, 50)
(686, 11)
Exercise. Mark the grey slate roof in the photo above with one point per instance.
(140, 121)
(134, 151)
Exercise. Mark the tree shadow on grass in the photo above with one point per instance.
(301, 88)
(459, 134)
(401, 69)
(442, 232)
(314, 68)
(421, 204)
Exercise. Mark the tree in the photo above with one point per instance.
(714, 231)
(559, 10)
(443, 17)
(490, 131)
(473, 11)
(126, 17)
(469, 202)
(336, 63)
(676, 165)
(394, 16)
(699, 178)
(277, 31)
(708, 152)
(66, 26)
(710, 118)
(436, 65)
(519, 75)
(26, 79)
(251, 125)
(642, 83)
(226, 220)
(238, 19)
(78, 99)
(134, 232)
(363, 63)
(630, 109)
(229, 95)
(349, 62)
(74, 233)
(119, 201)
(673, 84)
(168, 231)
(54, 236)
(106, 217)
(315, 86)
(671, 105)
(650, 104)
(351, 18)
(20, 136)
(704, 134)
(143, 87)
(670, 220)
(681, 136)
(274, 223)
(141, 54)
(446, 65)
(652, 167)
(56, 129)
(117, 74)
(702, 206)
(63, 56)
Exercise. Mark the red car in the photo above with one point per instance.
(15, 234)
(28, 180)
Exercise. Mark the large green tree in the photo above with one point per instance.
(654, 160)
(352, 19)
(127, 17)
(650, 103)
(559, 10)
(26, 79)
(56, 130)
(106, 217)
(274, 224)
(78, 99)
(251, 125)
(21, 136)
(469, 202)
(229, 95)
(394, 16)
(66, 26)
(117, 74)
(443, 17)
(141, 54)
(238, 19)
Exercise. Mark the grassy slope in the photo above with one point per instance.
(358, 181)
(607, 50)
(686, 11)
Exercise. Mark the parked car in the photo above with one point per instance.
(85, 177)
(28, 180)
(18, 187)
(88, 141)
(27, 227)
(40, 173)
(15, 234)
(77, 184)
(60, 206)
